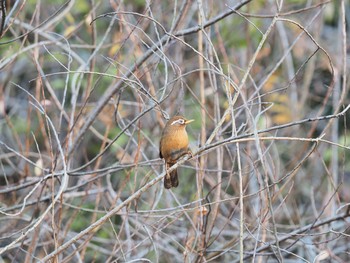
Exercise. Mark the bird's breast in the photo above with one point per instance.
(174, 145)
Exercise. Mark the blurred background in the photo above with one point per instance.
(87, 86)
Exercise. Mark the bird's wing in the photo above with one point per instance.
(160, 152)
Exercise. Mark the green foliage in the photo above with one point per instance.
(83, 218)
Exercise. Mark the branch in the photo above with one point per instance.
(298, 232)
(113, 89)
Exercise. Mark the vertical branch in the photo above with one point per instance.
(241, 206)
(201, 18)
(339, 95)
(241, 192)
(3, 16)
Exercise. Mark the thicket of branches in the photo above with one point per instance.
(85, 90)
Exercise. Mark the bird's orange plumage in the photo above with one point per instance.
(173, 145)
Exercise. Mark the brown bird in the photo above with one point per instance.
(173, 145)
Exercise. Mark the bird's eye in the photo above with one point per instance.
(179, 121)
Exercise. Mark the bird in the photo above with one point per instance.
(173, 145)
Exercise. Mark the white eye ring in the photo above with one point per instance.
(179, 121)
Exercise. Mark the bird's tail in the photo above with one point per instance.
(171, 179)
(174, 179)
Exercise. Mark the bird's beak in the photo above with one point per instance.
(188, 121)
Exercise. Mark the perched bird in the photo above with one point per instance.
(173, 145)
